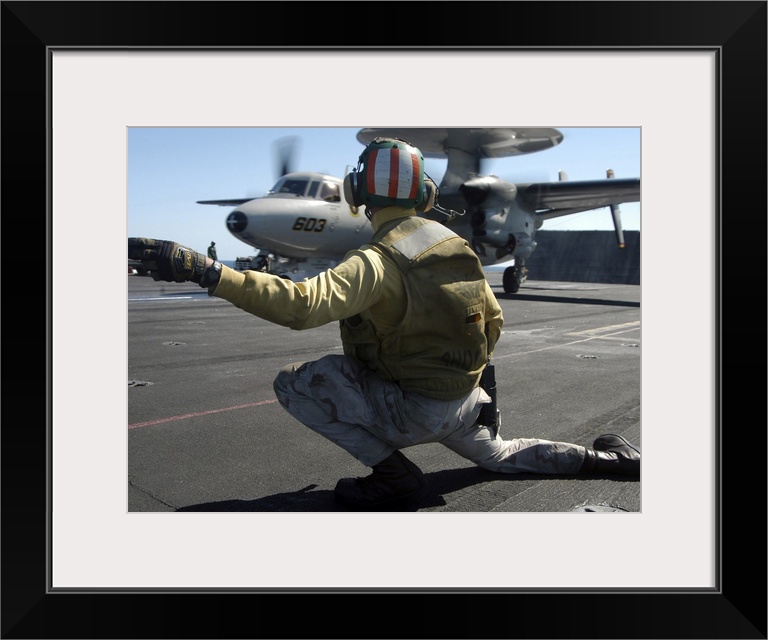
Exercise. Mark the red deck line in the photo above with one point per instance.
(198, 414)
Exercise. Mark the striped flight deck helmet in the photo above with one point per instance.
(390, 172)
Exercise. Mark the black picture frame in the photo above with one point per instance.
(735, 609)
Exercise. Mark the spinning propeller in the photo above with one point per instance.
(285, 154)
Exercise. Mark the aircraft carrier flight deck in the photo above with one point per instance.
(205, 432)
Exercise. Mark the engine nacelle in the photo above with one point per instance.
(510, 231)
(488, 192)
(497, 220)
(523, 245)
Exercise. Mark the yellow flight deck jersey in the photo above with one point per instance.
(413, 304)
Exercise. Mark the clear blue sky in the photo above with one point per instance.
(170, 169)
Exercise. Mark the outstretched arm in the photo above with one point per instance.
(349, 288)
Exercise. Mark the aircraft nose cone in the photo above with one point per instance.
(236, 222)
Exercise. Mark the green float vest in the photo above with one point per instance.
(439, 348)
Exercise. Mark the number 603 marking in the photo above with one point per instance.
(309, 224)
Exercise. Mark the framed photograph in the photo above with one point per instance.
(76, 76)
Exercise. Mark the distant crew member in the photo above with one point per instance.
(418, 323)
(212, 251)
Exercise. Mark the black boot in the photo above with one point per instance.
(612, 455)
(395, 481)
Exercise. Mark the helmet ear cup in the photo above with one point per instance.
(430, 193)
(351, 190)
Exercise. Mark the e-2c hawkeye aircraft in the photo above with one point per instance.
(303, 225)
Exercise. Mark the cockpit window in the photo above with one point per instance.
(296, 187)
(330, 192)
(313, 186)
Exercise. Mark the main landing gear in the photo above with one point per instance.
(513, 277)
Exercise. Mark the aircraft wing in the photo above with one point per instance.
(553, 199)
(232, 202)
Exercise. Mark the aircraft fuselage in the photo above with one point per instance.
(301, 224)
